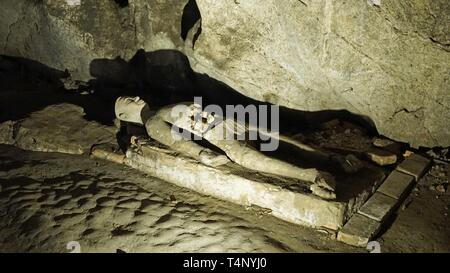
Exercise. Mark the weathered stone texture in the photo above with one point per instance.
(414, 165)
(315, 55)
(57, 128)
(71, 36)
(396, 185)
(378, 207)
(389, 62)
(359, 230)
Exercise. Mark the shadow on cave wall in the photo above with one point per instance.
(27, 86)
(160, 78)
(191, 15)
(165, 76)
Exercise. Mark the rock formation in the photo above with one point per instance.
(387, 60)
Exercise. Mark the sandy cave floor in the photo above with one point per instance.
(50, 199)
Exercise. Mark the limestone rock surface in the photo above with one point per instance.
(389, 62)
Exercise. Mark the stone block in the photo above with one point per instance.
(415, 165)
(234, 184)
(381, 157)
(378, 207)
(388, 145)
(396, 185)
(358, 231)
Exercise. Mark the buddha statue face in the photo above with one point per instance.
(129, 109)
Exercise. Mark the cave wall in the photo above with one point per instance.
(389, 62)
(69, 34)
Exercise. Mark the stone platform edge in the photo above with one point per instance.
(365, 225)
(298, 208)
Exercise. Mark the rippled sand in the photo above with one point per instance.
(49, 199)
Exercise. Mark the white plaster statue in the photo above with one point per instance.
(159, 127)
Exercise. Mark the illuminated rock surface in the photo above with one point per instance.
(389, 62)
